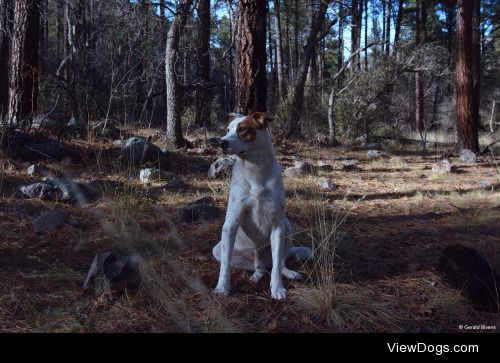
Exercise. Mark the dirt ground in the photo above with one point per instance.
(386, 225)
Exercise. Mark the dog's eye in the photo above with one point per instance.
(228, 131)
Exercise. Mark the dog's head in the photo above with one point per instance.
(245, 133)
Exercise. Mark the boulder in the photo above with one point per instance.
(467, 156)
(201, 209)
(376, 154)
(442, 167)
(300, 169)
(50, 221)
(139, 150)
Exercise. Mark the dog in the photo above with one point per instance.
(256, 234)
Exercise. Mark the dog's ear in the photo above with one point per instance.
(262, 118)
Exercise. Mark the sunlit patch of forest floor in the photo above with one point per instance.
(386, 223)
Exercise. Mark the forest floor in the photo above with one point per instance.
(387, 223)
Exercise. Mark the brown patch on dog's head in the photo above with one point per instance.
(247, 129)
(230, 117)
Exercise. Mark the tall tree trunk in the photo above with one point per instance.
(384, 12)
(397, 30)
(5, 34)
(340, 59)
(421, 38)
(251, 83)
(355, 33)
(360, 33)
(298, 90)
(23, 85)
(279, 51)
(476, 62)
(202, 112)
(465, 64)
(388, 27)
(290, 64)
(174, 101)
(366, 35)
(296, 25)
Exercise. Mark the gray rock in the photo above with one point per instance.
(485, 184)
(362, 138)
(442, 167)
(38, 170)
(50, 221)
(376, 154)
(112, 274)
(350, 162)
(326, 184)
(201, 209)
(222, 167)
(107, 130)
(300, 169)
(154, 174)
(54, 189)
(139, 150)
(467, 156)
(50, 149)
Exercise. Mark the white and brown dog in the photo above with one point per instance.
(256, 234)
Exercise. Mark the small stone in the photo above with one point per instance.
(467, 156)
(442, 167)
(485, 183)
(222, 167)
(38, 170)
(50, 221)
(149, 175)
(376, 154)
(326, 184)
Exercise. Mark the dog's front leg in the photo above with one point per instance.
(278, 292)
(229, 230)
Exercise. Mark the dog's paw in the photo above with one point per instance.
(257, 276)
(278, 293)
(292, 275)
(221, 291)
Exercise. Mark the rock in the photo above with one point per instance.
(376, 154)
(76, 127)
(139, 150)
(117, 143)
(54, 189)
(485, 184)
(300, 169)
(326, 184)
(105, 129)
(43, 191)
(363, 138)
(110, 273)
(48, 123)
(350, 164)
(442, 167)
(467, 156)
(465, 270)
(50, 221)
(38, 170)
(50, 149)
(222, 167)
(200, 209)
(153, 174)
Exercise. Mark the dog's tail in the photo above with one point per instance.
(300, 254)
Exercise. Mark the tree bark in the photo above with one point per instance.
(421, 38)
(174, 101)
(5, 34)
(355, 33)
(23, 74)
(251, 82)
(366, 35)
(397, 30)
(279, 52)
(298, 89)
(202, 107)
(466, 123)
(388, 27)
